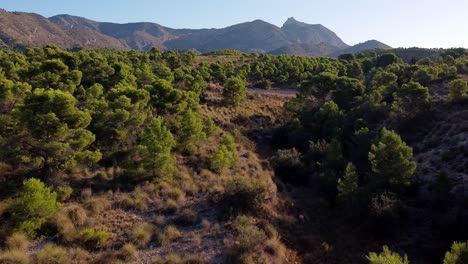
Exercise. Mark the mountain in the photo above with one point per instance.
(311, 34)
(255, 36)
(368, 45)
(26, 29)
(293, 38)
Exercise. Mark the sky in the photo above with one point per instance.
(398, 23)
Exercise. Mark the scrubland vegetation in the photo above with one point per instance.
(166, 157)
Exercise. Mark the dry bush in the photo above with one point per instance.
(249, 236)
(14, 257)
(64, 225)
(170, 206)
(160, 220)
(52, 254)
(79, 256)
(77, 214)
(97, 205)
(17, 242)
(141, 199)
(124, 201)
(187, 217)
(129, 252)
(170, 234)
(141, 234)
(85, 194)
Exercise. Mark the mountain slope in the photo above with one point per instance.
(368, 45)
(139, 36)
(255, 36)
(27, 29)
(311, 34)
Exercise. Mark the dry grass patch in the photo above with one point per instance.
(17, 241)
(14, 257)
(52, 254)
(170, 234)
(141, 234)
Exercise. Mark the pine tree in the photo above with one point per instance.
(156, 143)
(235, 90)
(391, 163)
(348, 185)
(190, 131)
(34, 205)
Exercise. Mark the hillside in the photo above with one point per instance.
(154, 157)
(302, 33)
(66, 31)
(26, 29)
(304, 49)
(368, 45)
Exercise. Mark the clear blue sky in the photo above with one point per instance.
(399, 23)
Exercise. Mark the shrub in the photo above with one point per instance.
(141, 234)
(244, 195)
(94, 239)
(288, 165)
(129, 252)
(52, 254)
(248, 236)
(170, 234)
(187, 217)
(263, 84)
(210, 128)
(14, 257)
(458, 254)
(63, 193)
(458, 89)
(387, 257)
(17, 241)
(226, 156)
(35, 204)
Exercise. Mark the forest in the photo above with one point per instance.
(172, 157)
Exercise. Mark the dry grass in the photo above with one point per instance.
(52, 254)
(17, 241)
(97, 205)
(129, 252)
(170, 234)
(141, 234)
(77, 214)
(79, 256)
(14, 257)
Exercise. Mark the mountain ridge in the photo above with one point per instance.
(67, 31)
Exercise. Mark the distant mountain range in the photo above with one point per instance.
(23, 30)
